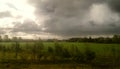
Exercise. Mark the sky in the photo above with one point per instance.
(59, 18)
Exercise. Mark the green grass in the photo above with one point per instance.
(97, 47)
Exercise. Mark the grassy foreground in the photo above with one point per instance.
(58, 55)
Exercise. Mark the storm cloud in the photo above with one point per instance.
(114, 4)
(79, 17)
(28, 26)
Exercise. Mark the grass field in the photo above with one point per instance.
(105, 54)
(97, 47)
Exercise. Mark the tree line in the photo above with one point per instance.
(114, 39)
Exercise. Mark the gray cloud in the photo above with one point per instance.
(27, 26)
(114, 4)
(79, 17)
(4, 30)
(64, 7)
(5, 14)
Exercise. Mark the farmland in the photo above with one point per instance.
(99, 48)
(59, 54)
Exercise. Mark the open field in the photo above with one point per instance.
(56, 55)
(99, 48)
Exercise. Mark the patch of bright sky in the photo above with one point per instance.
(6, 22)
(17, 8)
(101, 13)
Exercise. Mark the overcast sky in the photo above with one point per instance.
(59, 18)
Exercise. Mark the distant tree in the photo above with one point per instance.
(85, 39)
(6, 38)
(116, 38)
(90, 39)
(14, 39)
(107, 40)
(100, 40)
(20, 38)
(74, 40)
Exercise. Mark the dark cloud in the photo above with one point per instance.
(27, 26)
(114, 4)
(73, 17)
(65, 7)
(5, 14)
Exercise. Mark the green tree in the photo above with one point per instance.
(116, 38)
(6, 38)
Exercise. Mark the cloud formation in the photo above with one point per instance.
(5, 14)
(61, 18)
(28, 26)
(79, 17)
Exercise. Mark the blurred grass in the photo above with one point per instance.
(99, 49)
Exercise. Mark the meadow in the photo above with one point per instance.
(99, 48)
(49, 54)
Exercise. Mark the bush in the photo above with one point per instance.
(89, 55)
